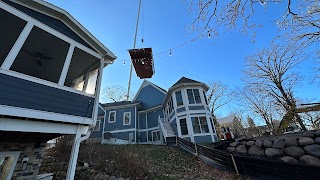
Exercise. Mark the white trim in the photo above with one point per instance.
(66, 65)
(120, 106)
(123, 118)
(30, 113)
(7, 124)
(17, 46)
(150, 109)
(121, 130)
(98, 122)
(16, 155)
(150, 129)
(203, 134)
(62, 11)
(156, 135)
(43, 82)
(48, 29)
(86, 80)
(115, 116)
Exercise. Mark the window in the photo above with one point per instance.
(170, 106)
(179, 98)
(41, 56)
(83, 66)
(183, 126)
(193, 96)
(97, 127)
(212, 125)
(205, 97)
(155, 135)
(9, 32)
(8, 161)
(127, 118)
(112, 116)
(200, 125)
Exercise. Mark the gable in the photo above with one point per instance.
(149, 96)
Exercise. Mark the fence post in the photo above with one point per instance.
(177, 144)
(234, 164)
(196, 148)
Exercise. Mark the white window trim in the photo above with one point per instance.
(194, 97)
(124, 115)
(183, 100)
(31, 22)
(180, 126)
(14, 51)
(16, 155)
(98, 122)
(202, 133)
(156, 134)
(115, 116)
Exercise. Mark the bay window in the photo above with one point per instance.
(193, 96)
(179, 98)
(183, 126)
(200, 125)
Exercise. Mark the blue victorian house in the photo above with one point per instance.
(154, 115)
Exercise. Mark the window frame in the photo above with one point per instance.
(177, 102)
(124, 116)
(201, 126)
(156, 133)
(115, 115)
(194, 97)
(16, 155)
(186, 126)
(32, 22)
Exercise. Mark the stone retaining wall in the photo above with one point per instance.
(83, 171)
(301, 148)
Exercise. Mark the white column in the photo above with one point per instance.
(66, 65)
(74, 155)
(17, 46)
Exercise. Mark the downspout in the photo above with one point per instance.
(76, 145)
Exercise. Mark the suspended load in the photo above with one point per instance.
(142, 61)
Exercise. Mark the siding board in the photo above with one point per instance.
(26, 94)
(150, 97)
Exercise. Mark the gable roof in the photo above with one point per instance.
(58, 13)
(184, 80)
(120, 103)
(144, 84)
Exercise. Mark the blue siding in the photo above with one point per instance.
(95, 134)
(172, 115)
(196, 107)
(173, 124)
(181, 109)
(215, 138)
(201, 139)
(51, 22)
(153, 118)
(123, 135)
(26, 94)
(150, 97)
(143, 136)
(142, 121)
(100, 111)
(118, 124)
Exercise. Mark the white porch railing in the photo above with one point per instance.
(166, 128)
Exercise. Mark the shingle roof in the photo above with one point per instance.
(185, 80)
(121, 103)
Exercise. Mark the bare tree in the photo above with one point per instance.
(115, 93)
(298, 18)
(271, 71)
(258, 103)
(217, 96)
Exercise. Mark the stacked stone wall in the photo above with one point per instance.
(32, 151)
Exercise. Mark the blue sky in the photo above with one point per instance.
(163, 27)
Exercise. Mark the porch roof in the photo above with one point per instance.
(58, 13)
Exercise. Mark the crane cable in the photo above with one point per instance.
(134, 46)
